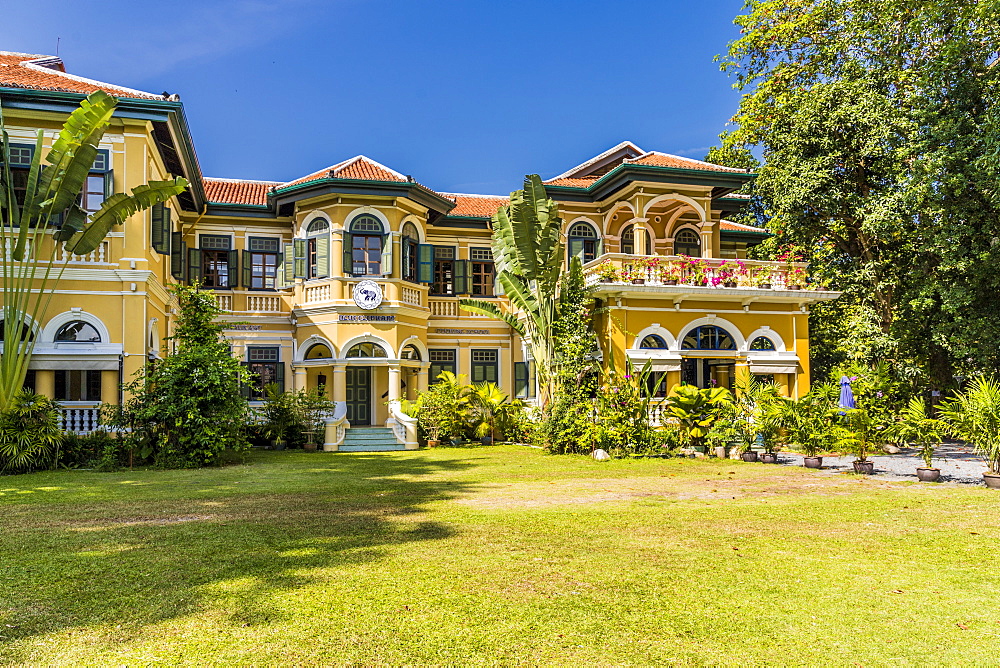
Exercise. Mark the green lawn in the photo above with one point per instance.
(494, 555)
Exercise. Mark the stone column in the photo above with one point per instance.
(109, 387)
(423, 374)
(639, 236)
(394, 382)
(45, 383)
(299, 378)
(339, 383)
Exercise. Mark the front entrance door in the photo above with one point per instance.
(359, 396)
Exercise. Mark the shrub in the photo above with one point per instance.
(288, 417)
(29, 433)
(98, 449)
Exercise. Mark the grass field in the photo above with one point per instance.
(498, 555)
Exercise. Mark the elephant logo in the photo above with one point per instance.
(367, 295)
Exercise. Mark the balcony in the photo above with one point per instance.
(708, 279)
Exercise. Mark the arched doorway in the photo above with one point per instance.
(359, 396)
(702, 369)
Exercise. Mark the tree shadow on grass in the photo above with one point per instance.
(176, 543)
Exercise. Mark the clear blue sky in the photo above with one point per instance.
(465, 96)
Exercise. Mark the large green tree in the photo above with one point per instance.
(528, 251)
(878, 125)
(42, 216)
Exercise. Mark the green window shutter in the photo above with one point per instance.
(109, 183)
(425, 263)
(279, 377)
(497, 286)
(576, 248)
(194, 265)
(461, 278)
(279, 271)
(288, 263)
(348, 269)
(157, 228)
(247, 269)
(323, 256)
(531, 379)
(386, 254)
(521, 380)
(233, 278)
(177, 252)
(300, 246)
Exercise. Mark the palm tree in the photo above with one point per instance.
(490, 404)
(528, 251)
(28, 278)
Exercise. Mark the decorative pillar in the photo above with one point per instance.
(45, 383)
(109, 387)
(423, 373)
(339, 383)
(394, 382)
(299, 377)
(639, 233)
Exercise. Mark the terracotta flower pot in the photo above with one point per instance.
(765, 286)
(928, 475)
(720, 451)
(432, 444)
(309, 447)
(638, 281)
(992, 480)
(671, 281)
(769, 457)
(749, 456)
(794, 287)
(865, 468)
(813, 462)
(730, 284)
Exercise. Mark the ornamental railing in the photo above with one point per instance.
(663, 270)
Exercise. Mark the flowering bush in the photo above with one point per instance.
(607, 272)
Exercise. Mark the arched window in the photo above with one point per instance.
(654, 341)
(584, 242)
(318, 225)
(411, 352)
(318, 351)
(687, 243)
(628, 242)
(708, 337)
(409, 246)
(26, 333)
(78, 331)
(366, 350)
(367, 241)
(317, 249)
(762, 343)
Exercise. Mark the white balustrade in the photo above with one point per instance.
(97, 256)
(410, 296)
(443, 308)
(317, 293)
(264, 303)
(79, 419)
(657, 409)
(225, 302)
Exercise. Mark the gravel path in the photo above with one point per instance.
(958, 464)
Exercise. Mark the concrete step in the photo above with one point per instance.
(371, 448)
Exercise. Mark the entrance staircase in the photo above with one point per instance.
(370, 439)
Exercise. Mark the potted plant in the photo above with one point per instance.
(728, 271)
(916, 427)
(607, 272)
(796, 278)
(762, 277)
(670, 272)
(859, 436)
(635, 273)
(809, 423)
(697, 270)
(974, 417)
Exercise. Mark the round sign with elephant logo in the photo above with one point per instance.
(367, 295)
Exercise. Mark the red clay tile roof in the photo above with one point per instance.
(580, 182)
(358, 167)
(25, 70)
(237, 191)
(657, 159)
(475, 206)
(740, 227)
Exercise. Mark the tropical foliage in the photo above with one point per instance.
(450, 409)
(29, 433)
(810, 423)
(290, 417)
(917, 427)
(29, 269)
(696, 410)
(185, 410)
(974, 416)
(528, 252)
(877, 123)
(752, 414)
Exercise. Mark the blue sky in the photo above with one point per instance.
(465, 96)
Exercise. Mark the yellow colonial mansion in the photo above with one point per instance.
(350, 278)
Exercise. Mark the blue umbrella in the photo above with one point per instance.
(846, 395)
